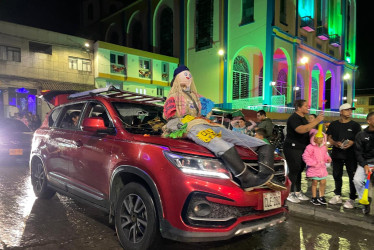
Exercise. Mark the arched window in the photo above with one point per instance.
(90, 12)
(247, 11)
(314, 93)
(299, 93)
(281, 86)
(114, 38)
(328, 93)
(166, 32)
(204, 24)
(240, 85)
(137, 34)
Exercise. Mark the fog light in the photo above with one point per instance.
(202, 209)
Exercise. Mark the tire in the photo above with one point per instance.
(39, 181)
(136, 220)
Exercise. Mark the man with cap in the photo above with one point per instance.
(341, 135)
(185, 111)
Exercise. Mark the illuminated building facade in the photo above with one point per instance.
(34, 60)
(271, 51)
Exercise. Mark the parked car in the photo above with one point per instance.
(115, 159)
(15, 140)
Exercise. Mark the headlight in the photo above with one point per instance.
(206, 167)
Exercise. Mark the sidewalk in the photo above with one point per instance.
(334, 213)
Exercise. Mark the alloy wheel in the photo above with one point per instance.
(133, 218)
(39, 176)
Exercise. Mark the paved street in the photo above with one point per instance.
(61, 223)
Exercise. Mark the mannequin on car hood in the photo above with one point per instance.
(185, 113)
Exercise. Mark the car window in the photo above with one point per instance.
(98, 110)
(71, 115)
(53, 116)
(140, 118)
(13, 125)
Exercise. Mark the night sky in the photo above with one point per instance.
(63, 16)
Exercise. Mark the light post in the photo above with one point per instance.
(296, 88)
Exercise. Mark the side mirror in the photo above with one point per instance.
(93, 124)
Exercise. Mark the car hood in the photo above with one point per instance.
(189, 147)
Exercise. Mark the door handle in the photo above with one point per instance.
(78, 143)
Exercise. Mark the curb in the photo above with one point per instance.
(334, 214)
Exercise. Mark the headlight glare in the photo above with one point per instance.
(206, 167)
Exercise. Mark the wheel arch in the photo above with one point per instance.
(125, 174)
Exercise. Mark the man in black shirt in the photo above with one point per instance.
(341, 135)
(364, 149)
(297, 139)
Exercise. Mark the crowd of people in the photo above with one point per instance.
(305, 150)
(31, 120)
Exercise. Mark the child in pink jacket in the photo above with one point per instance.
(315, 156)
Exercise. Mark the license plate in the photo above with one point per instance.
(272, 200)
(16, 151)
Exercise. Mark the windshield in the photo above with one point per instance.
(140, 118)
(12, 125)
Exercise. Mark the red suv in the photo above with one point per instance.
(104, 147)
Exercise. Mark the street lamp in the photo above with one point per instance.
(347, 76)
(296, 88)
(304, 60)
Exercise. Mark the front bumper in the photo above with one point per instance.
(244, 227)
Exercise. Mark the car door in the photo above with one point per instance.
(60, 146)
(91, 165)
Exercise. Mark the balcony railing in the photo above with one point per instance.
(322, 33)
(335, 40)
(307, 23)
(289, 110)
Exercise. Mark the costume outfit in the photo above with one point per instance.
(240, 130)
(316, 156)
(182, 110)
(293, 149)
(364, 150)
(340, 132)
(268, 125)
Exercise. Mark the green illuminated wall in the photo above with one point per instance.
(306, 8)
(335, 23)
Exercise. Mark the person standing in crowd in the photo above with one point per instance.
(265, 123)
(316, 157)
(364, 150)
(341, 135)
(297, 139)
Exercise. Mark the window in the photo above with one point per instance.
(361, 100)
(283, 12)
(10, 54)
(40, 48)
(371, 101)
(145, 68)
(98, 110)
(160, 91)
(53, 117)
(90, 12)
(165, 71)
(80, 64)
(117, 64)
(71, 116)
(204, 24)
(247, 11)
(166, 32)
(240, 88)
